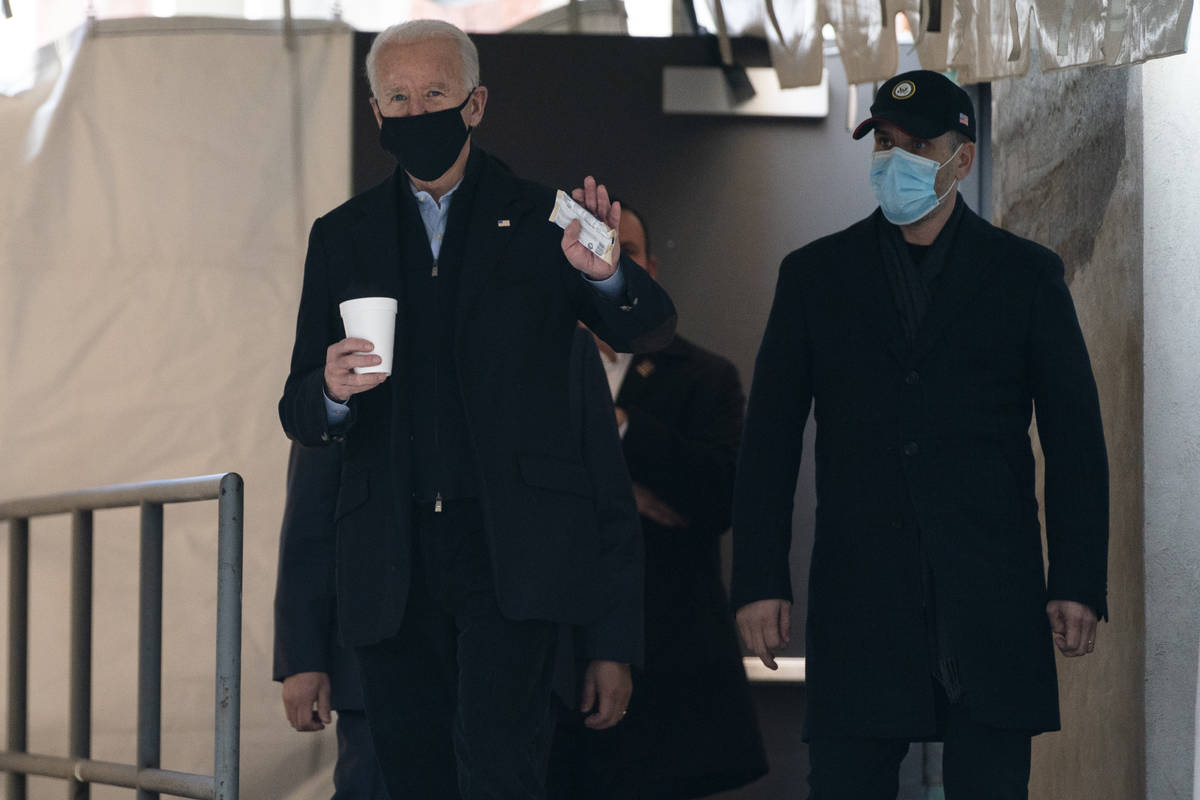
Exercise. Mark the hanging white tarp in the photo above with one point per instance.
(156, 189)
(980, 39)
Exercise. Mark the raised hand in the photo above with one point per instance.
(593, 197)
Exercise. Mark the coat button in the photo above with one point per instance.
(912, 378)
(911, 448)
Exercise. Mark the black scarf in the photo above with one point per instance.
(913, 288)
(912, 284)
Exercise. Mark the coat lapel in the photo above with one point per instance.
(495, 213)
(376, 245)
(645, 375)
(967, 268)
(641, 372)
(375, 239)
(879, 305)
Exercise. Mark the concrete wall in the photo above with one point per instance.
(1172, 430)
(1068, 173)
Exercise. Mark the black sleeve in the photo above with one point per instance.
(1072, 436)
(769, 461)
(305, 590)
(640, 319)
(302, 407)
(617, 634)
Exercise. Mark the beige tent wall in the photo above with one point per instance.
(156, 190)
(1068, 174)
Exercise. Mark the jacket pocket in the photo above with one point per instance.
(556, 474)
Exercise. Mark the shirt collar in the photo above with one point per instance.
(423, 196)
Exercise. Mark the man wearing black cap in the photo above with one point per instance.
(924, 338)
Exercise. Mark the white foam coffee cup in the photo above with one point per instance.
(373, 319)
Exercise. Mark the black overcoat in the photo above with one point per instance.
(685, 407)
(306, 635)
(923, 453)
(518, 303)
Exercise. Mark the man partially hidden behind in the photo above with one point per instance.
(924, 339)
(319, 675)
(691, 729)
(468, 521)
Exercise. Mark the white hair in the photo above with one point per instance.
(421, 30)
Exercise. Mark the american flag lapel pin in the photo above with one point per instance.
(503, 223)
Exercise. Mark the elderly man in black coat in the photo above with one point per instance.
(925, 339)
(320, 675)
(469, 525)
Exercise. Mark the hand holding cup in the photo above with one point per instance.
(362, 360)
(343, 360)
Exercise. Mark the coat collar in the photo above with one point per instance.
(499, 203)
(968, 265)
(644, 369)
(866, 270)
(496, 211)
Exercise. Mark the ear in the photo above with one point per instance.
(966, 159)
(375, 110)
(652, 267)
(473, 113)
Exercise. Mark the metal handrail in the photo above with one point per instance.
(146, 775)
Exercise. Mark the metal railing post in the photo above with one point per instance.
(150, 614)
(77, 768)
(226, 739)
(18, 649)
(80, 712)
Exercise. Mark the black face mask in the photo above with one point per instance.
(426, 145)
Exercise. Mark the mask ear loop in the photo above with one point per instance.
(463, 105)
(953, 156)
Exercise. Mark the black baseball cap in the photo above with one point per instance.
(921, 103)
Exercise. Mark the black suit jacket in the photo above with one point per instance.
(306, 635)
(685, 408)
(923, 456)
(518, 302)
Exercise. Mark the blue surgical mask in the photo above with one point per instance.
(904, 182)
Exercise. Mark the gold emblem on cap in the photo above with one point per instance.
(904, 90)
